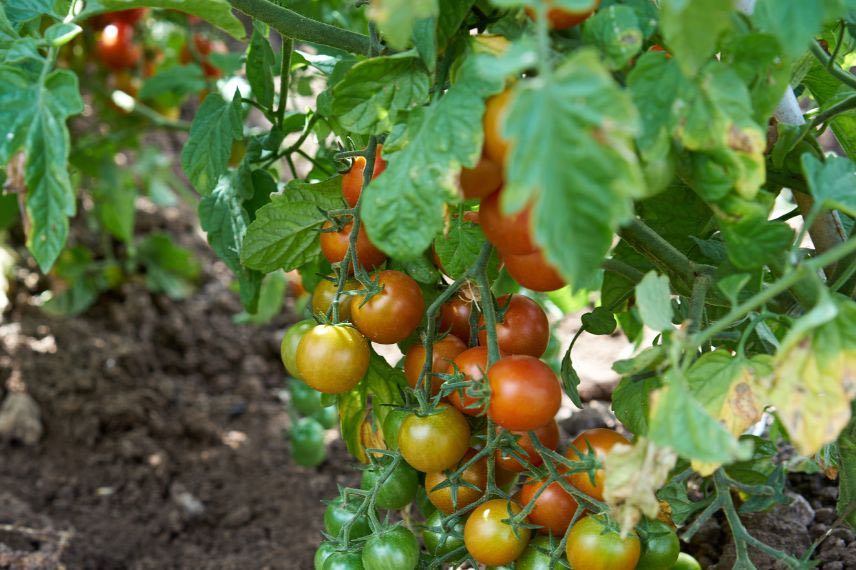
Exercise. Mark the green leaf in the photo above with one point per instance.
(600, 321)
(571, 150)
(206, 153)
(373, 92)
(176, 81)
(170, 269)
(653, 298)
(681, 506)
(384, 384)
(352, 411)
(826, 90)
(847, 471)
(425, 42)
(754, 242)
(60, 34)
(115, 207)
(74, 267)
(793, 22)
(831, 182)
(271, 297)
(459, 248)
(691, 29)
(20, 11)
(452, 15)
(260, 61)
(631, 403)
(217, 12)
(420, 268)
(403, 208)
(646, 360)
(757, 59)
(570, 380)
(615, 32)
(284, 234)
(395, 18)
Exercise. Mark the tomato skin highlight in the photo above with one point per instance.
(442, 354)
(435, 442)
(482, 180)
(591, 546)
(475, 474)
(524, 328)
(115, 46)
(334, 246)
(288, 346)
(332, 359)
(524, 393)
(548, 436)
(394, 313)
(491, 541)
(495, 145)
(554, 507)
(392, 549)
(602, 440)
(472, 363)
(510, 233)
(325, 292)
(533, 271)
(455, 318)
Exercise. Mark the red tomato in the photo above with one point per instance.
(129, 17)
(352, 180)
(511, 234)
(442, 354)
(435, 442)
(455, 317)
(394, 313)
(495, 145)
(115, 47)
(592, 545)
(563, 18)
(524, 328)
(204, 47)
(472, 364)
(554, 507)
(533, 271)
(548, 436)
(482, 180)
(334, 246)
(491, 541)
(524, 393)
(658, 47)
(475, 474)
(602, 440)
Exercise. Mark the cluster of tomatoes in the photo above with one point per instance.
(115, 46)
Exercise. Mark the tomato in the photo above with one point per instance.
(325, 292)
(686, 562)
(533, 271)
(601, 441)
(482, 180)
(442, 354)
(495, 145)
(332, 358)
(129, 17)
(344, 561)
(563, 18)
(324, 551)
(524, 393)
(352, 180)
(327, 417)
(548, 436)
(116, 48)
(398, 490)
(306, 401)
(391, 426)
(524, 328)
(442, 539)
(658, 47)
(510, 233)
(392, 549)
(554, 507)
(592, 545)
(491, 541)
(475, 474)
(337, 514)
(394, 313)
(537, 556)
(434, 442)
(290, 340)
(334, 246)
(660, 546)
(307, 442)
(204, 47)
(455, 318)
(472, 363)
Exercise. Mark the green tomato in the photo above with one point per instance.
(398, 490)
(324, 551)
(290, 340)
(442, 539)
(660, 546)
(305, 399)
(537, 555)
(338, 514)
(391, 427)
(328, 417)
(307, 442)
(344, 561)
(686, 562)
(392, 549)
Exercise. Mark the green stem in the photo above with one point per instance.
(293, 25)
(661, 252)
(284, 77)
(843, 76)
(840, 107)
(700, 287)
(488, 310)
(623, 269)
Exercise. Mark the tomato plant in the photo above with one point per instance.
(455, 318)
(443, 352)
(307, 442)
(601, 441)
(533, 271)
(548, 436)
(392, 549)
(398, 489)
(553, 506)
(334, 246)
(537, 556)
(472, 364)
(340, 513)
(511, 234)
(393, 313)
(468, 488)
(524, 393)
(440, 537)
(434, 442)
(325, 293)
(594, 546)
(116, 48)
(491, 540)
(660, 546)
(332, 359)
(523, 329)
(288, 346)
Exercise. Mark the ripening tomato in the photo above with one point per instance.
(554, 507)
(490, 540)
(395, 548)
(524, 328)
(394, 313)
(564, 18)
(325, 292)
(495, 145)
(334, 246)
(434, 442)
(472, 363)
(593, 545)
(660, 546)
(443, 352)
(533, 271)
(548, 436)
(352, 180)
(290, 340)
(482, 180)
(475, 474)
(332, 358)
(116, 48)
(524, 393)
(130, 17)
(602, 440)
(510, 233)
(455, 317)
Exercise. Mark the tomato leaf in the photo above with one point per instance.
(395, 18)
(384, 383)
(175, 81)
(827, 90)
(217, 12)
(20, 12)
(570, 380)
(653, 298)
(757, 59)
(170, 269)
(215, 127)
(615, 31)
(352, 412)
(631, 402)
(753, 242)
(600, 321)
(691, 29)
(831, 182)
(847, 470)
(793, 22)
(284, 234)
(260, 61)
(459, 248)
